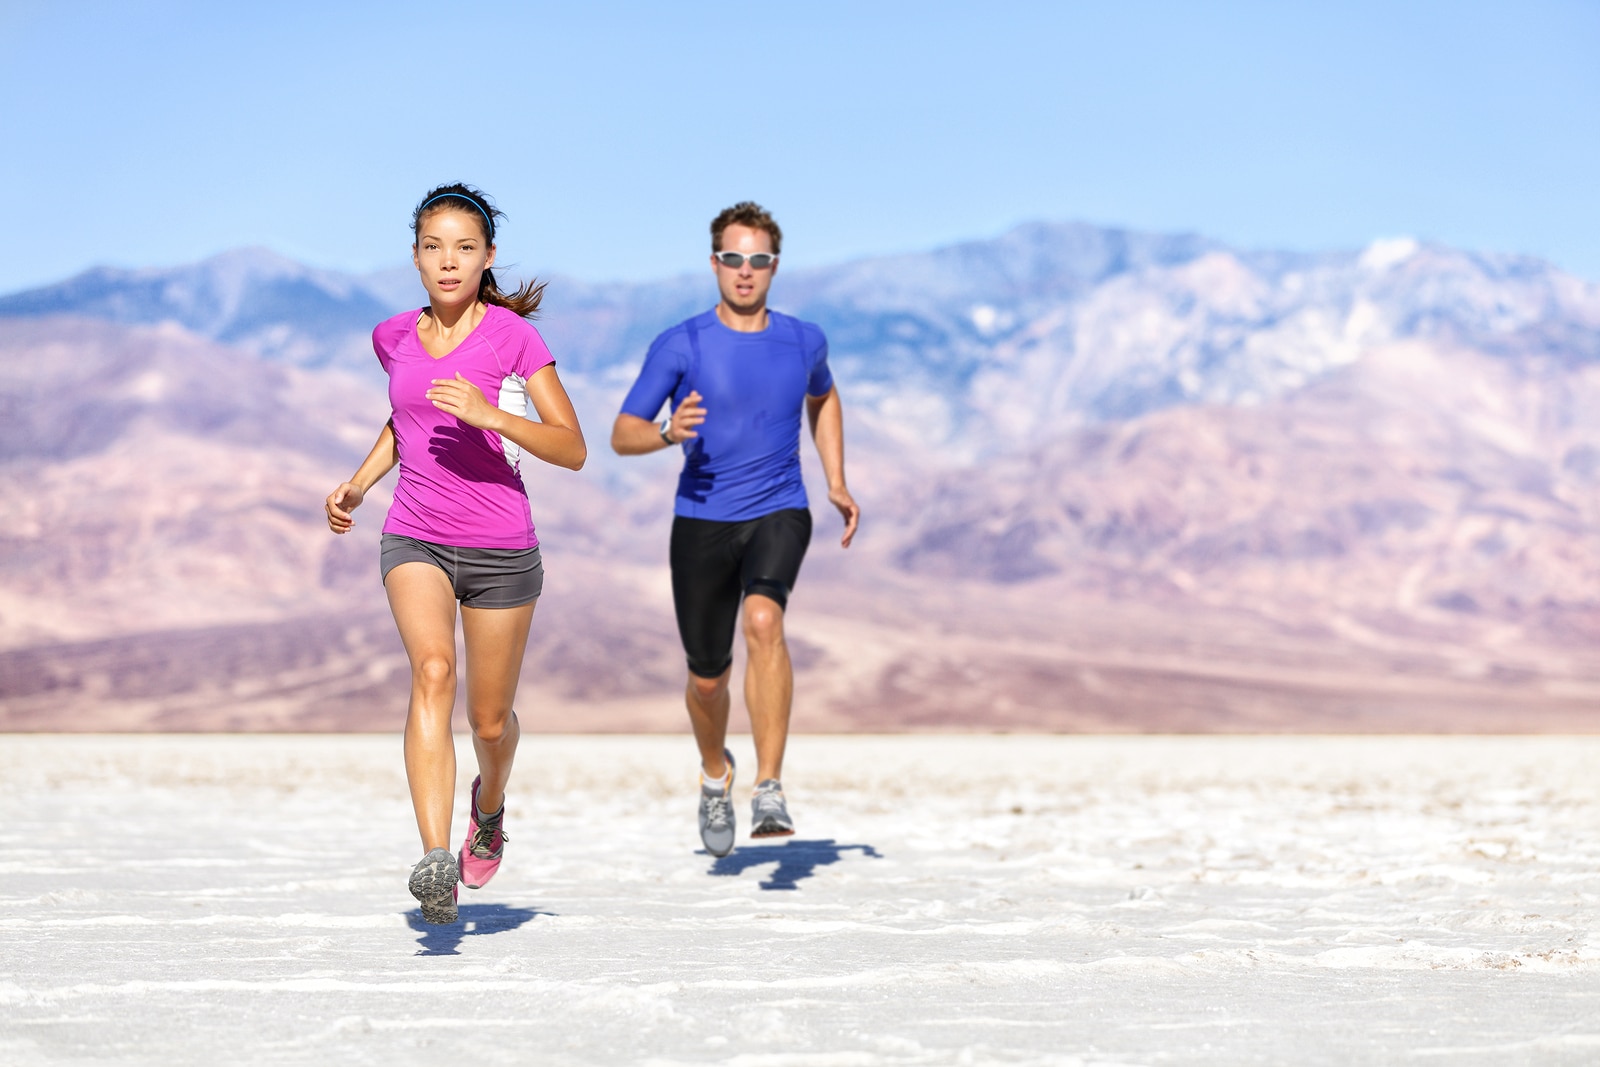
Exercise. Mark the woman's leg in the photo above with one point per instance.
(424, 607)
(496, 640)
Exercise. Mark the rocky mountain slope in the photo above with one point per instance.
(1112, 481)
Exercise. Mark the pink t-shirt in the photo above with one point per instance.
(459, 485)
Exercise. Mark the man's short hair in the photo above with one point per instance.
(745, 213)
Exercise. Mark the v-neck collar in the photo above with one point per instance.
(416, 334)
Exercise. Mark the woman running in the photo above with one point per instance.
(461, 371)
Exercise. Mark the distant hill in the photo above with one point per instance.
(1111, 480)
(993, 343)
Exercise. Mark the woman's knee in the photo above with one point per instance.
(435, 672)
(491, 727)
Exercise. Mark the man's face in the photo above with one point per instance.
(743, 288)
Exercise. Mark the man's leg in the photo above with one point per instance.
(708, 702)
(768, 571)
(705, 597)
(768, 683)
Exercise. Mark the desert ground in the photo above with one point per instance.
(947, 899)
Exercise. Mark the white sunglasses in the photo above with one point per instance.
(735, 260)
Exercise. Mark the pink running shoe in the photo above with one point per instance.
(485, 844)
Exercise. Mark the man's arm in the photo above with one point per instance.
(826, 413)
(633, 436)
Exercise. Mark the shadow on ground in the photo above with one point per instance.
(475, 919)
(795, 860)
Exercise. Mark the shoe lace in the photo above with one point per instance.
(769, 798)
(718, 811)
(482, 844)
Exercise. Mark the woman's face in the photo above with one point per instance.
(451, 256)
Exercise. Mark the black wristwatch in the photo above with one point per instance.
(666, 424)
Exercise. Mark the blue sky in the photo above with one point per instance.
(155, 133)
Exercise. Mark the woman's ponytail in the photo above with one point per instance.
(524, 301)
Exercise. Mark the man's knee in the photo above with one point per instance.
(707, 689)
(763, 620)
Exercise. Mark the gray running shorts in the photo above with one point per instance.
(481, 577)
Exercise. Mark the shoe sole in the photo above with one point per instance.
(433, 883)
(771, 829)
(441, 911)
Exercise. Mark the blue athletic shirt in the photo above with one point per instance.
(745, 463)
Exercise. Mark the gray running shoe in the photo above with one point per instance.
(769, 815)
(717, 824)
(434, 883)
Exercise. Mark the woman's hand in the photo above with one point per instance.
(340, 503)
(345, 499)
(463, 400)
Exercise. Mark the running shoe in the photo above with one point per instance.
(717, 824)
(485, 844)
(433, 883)
(769, 815)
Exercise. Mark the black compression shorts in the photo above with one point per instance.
(716, 564)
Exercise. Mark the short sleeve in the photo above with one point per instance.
(533, 355)
(819, 379)
(386, 337)
(663, 370)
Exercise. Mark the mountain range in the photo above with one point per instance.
(1111, 480)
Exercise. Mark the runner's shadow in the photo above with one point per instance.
(795, 860)
(475, 919)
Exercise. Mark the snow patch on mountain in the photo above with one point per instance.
(1388, 252)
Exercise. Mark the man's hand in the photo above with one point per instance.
(841, 499)
(340, 503)
(463, 400)
(689, 415)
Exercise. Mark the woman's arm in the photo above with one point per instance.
(556, 438)
(345, 499)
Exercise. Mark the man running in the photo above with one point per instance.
(738, 376)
